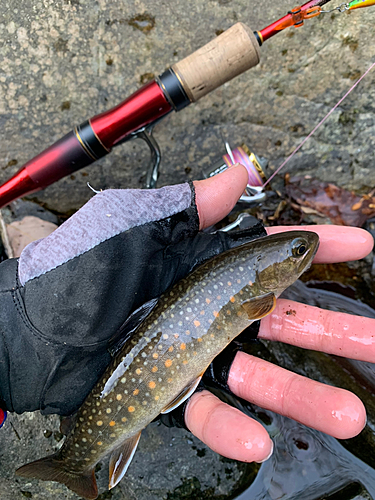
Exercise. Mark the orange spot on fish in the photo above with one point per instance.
(156, 398)
(202, 313)
(197, 323)
(99, 443)
(124, 419)
(228, 312)
(199, 339)
(155, 355)
(99, 423)
(135, 392)
(229, 283)
(185, 362)
(170, 380)
(154, 369)
(131, 409)
(168, 363)
(183, 346)
(250, 283)
(176, 335)
(118, 397)
(152, 384)
(112, 423)
(216, 314)
(212, 336)
(170, 349)
(138, 371)
(218, 297)
(232, 299)
(208, 301)
(194, 353)
(187, 332)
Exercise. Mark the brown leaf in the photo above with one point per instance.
(23, 232)
(341, 206)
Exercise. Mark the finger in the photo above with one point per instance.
(334, 411)
(337, 243)
(320, 330)
(226, 430)
(215, 197)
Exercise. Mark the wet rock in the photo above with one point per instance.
(166, 465)
(63, 62)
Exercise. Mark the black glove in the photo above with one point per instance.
(67, 295)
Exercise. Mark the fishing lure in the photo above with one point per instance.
(355, 4)
(358, 4)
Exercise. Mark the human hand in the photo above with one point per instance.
(331, 410)
(76, 287)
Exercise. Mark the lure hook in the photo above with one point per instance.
(341, 8)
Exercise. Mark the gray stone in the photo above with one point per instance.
(169, 464)
(63, 62)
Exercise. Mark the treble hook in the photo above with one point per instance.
(341, 8)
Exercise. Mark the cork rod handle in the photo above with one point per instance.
(230, 54)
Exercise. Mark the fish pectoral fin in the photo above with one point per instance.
(183, 396)
(258, 307)
(121, 458)
(130, 325)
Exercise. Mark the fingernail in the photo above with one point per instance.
(245, 166)
(269, 456)
(233, 166)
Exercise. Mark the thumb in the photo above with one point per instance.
(215, 197)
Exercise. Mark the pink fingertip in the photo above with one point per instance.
(335, 411)
(310, 327)
(268, 457)
(216, 196)
(337, 243)
(348, 416)
(226, 430)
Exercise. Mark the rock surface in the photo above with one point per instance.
(63, 62)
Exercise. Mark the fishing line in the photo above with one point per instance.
(319, 124)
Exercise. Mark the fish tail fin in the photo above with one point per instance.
(52, 469)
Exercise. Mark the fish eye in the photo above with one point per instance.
(299, 247)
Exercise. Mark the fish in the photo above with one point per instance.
(162, 361)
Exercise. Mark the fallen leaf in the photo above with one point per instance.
(24, 231)
(341, 206)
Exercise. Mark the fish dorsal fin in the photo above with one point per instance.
(183, 396)
(130, 325)
(67, 424)
(258, 307)
(121, 458)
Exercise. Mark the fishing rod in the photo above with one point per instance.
(230, 54)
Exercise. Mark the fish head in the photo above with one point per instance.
(284, 257)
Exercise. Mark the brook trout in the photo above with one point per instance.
(161, 364)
